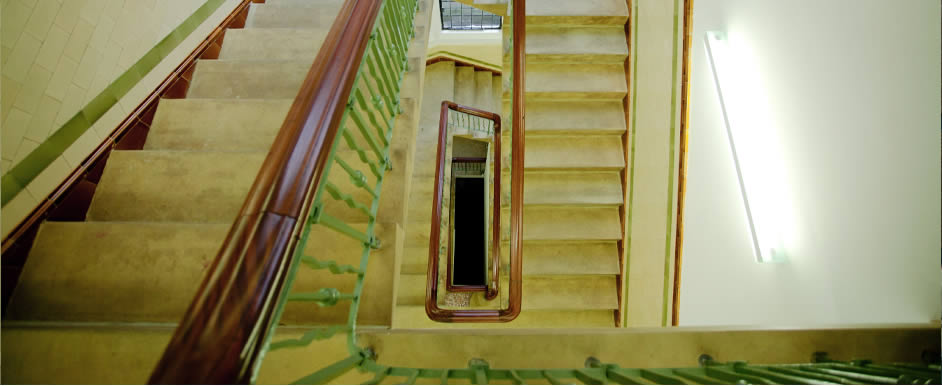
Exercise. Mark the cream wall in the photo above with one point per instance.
(59, 54)
(854, 93)
(484, 46)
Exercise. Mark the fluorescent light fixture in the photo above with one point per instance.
(752, 143)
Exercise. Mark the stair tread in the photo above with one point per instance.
(216, 124)
(115, 271)
(567, 188)
(293, 14)
(585, 12)
(259, 79)
(185, 186)
(576, 44)
(413, 316)
(547, 188)
(557, 292)
(146, 271)
(542, 258)
(574, 81)
(566, 223)
(587, 152)
(573, 117)
(272, 43)
(560, 258)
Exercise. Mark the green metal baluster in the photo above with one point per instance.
(552, 378)
(375, 87)
(347, 199)
(590, 376)
(380, 129)
(342, 227)
(394, 27)
(308, 337)
(724, 373)
(352, 144)
(380, 71)
(412, 377)
(662, 376)
(625, 376)
(796, 372)
(366, 133)
(788, 376)
(331, 265)
(324, 297)
(380, 376)
(385, 68)
(329, 373)
(391, 44)
(357, 178)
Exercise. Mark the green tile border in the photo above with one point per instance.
(15, 180)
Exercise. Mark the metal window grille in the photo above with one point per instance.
(462, 17)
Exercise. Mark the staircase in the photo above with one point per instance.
(160, 214)
(575, 53)
(574, 160)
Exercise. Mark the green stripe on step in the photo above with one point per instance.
(15, 180)
(631, 175)
(670, 170)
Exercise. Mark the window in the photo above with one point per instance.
(462, 17)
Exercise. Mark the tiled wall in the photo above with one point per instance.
(49, 74)
(59, 54)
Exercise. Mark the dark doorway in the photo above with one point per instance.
(469, 238)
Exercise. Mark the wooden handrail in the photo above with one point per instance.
(223, 331)
(516, 196)
(491, 290)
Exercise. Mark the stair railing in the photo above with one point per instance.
(515, 296)
(350, 95)
(453, 116)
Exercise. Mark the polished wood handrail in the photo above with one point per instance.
(492, 288)
(223, 331)
(515, 295)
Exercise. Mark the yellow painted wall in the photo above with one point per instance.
(483, 46)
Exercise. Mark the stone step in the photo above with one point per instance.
(148, 272)
(584, 12)
(571, 117)
(549, 292)
(587, 152)
(216, 124)
(272, 43)
(542, 258)
(576, 44)
(566, 223)
(546, 188)
(565, 258)
(255, 79)
(293, 14)
(175, 186)
(566, 188)
(579, 81)
(414, 317)
(126, 353)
